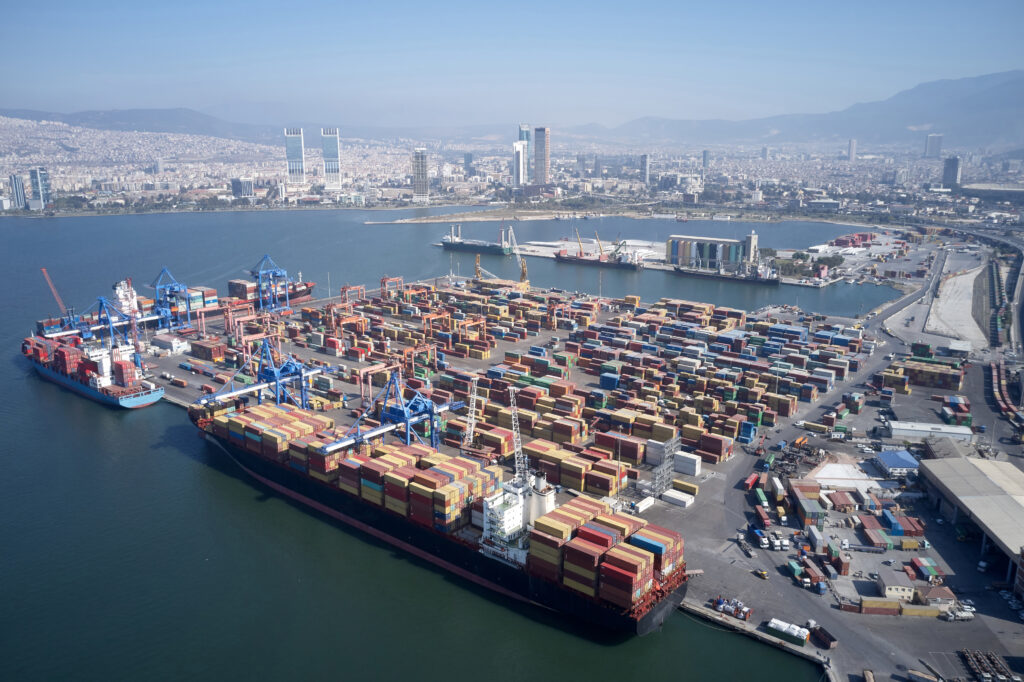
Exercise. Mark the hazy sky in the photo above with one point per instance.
(435, 63)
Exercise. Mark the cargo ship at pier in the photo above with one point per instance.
(752, 277)
(453, 241)
(602, 569)
(618, 258)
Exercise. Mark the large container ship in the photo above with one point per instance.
(453, 241)
(579, 559)
(104, 374)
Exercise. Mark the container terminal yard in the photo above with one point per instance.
(770, 442)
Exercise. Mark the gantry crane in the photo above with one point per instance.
(271, 282)
(171, 303)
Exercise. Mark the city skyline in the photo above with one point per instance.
(227, 73)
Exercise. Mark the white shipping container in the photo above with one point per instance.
(677, 498)
(644, 504)
(687, 464)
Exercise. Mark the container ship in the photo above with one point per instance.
(189, 301)
(579, 559)
(453, 241)
(106, 374)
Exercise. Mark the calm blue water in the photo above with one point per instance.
(130, 551)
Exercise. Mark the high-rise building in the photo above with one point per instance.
(420, 186)
(295, 153)
(581, 165)
(645, 169)
(520, 163)
(18, 197)
(764, 153)
(705, 159)
(332, 157)
(933, 146)
(951, 172)
(40, 181)
(851, 151)
(524, 136)
(542, 156)
(467, 164)
(242, 188)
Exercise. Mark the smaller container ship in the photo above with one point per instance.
(108, 370)
(453, 241)
(108, 375)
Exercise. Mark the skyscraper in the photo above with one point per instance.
(18, 192)
(524, 136)
(581, 165)
(420, 187)
(645, 169)
(764, 153)
(242, 188)
(705, 159)
(933, 146)
(295, 153)
(332, 157)
(467, 164)
(541, 156)
(851, 151)
(520, 163)
(951, 171)
(40, 181)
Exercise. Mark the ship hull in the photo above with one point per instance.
(131, 402)
(478, 247)
(707, 274)
(621, 265)
(444, 551)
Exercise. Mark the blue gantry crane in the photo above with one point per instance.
(271, 285)
(397, 411)
(277, 379)
(171, 303)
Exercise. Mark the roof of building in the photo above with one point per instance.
(895, 578)
(940, 448)
(991, 493)
(897, 459)
(934, 429)
(960, 346)
(929, 592)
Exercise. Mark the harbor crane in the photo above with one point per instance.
(269, 377)
(271, 281)
(171, 304)
(523, 278)
(397, 412)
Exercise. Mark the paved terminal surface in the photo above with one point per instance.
(951, 312)
(888, 645)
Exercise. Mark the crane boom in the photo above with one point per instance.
(579, 241)
(56, 296)
(515, 250)
(599, 247)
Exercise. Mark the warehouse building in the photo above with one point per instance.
(896, 463)
(895, 585)
(987, 493)
(921, 430)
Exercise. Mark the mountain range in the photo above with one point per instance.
(981, 111)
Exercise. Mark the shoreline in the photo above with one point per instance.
(484, 215)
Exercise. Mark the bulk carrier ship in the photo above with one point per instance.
(453, 241)
(603, 569)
